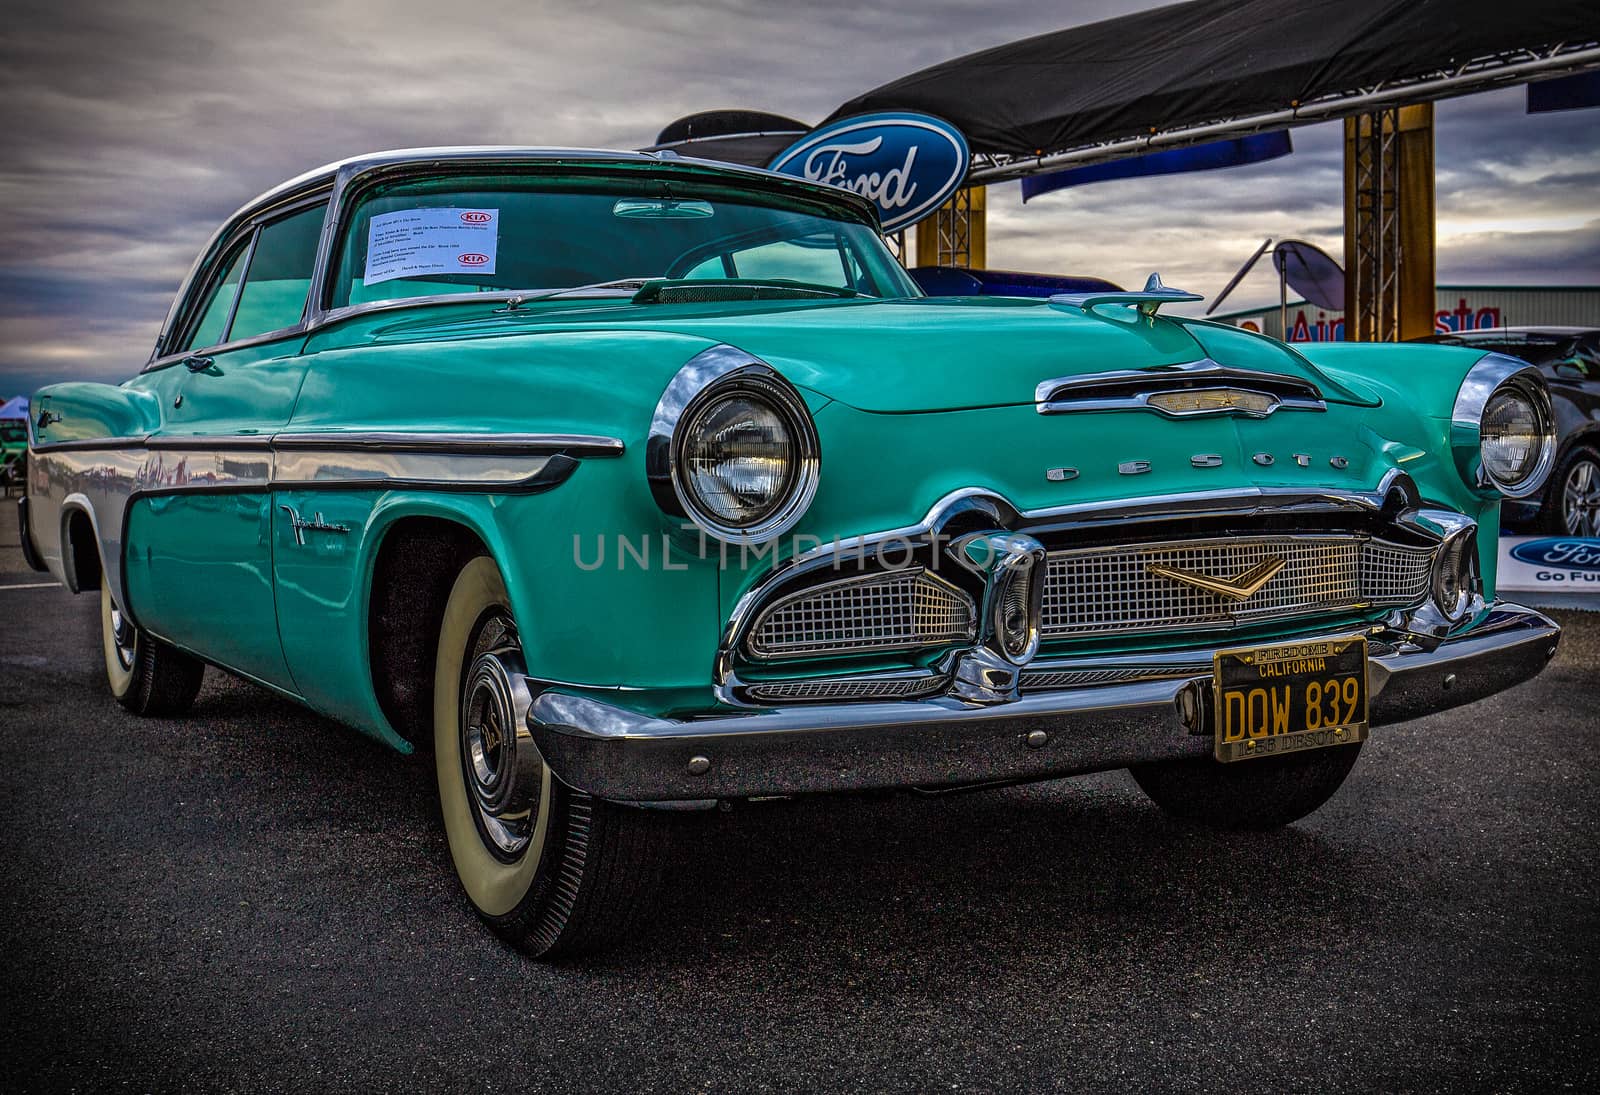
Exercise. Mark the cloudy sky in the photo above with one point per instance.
(133, 129)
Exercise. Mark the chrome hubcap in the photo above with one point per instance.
(502, 767)
(1580, 499)
(123, 637)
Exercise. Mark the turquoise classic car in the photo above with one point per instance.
(621, 483)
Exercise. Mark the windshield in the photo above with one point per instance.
(505, 233)
(13, 431)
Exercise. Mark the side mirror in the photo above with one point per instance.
(1575, 368)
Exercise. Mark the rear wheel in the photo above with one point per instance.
(551, 870)
(1252, 794)
(147, 676)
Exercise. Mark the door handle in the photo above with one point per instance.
(197, 363)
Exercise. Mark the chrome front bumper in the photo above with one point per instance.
(618, 754)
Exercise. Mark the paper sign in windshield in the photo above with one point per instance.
(421, 242)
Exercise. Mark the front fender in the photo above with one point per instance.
(600, 598)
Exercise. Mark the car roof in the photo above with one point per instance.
(338, 176)
(346, 169)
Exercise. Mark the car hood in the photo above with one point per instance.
(922, 354)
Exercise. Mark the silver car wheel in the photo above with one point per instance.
(500, 764)
(1580, 499)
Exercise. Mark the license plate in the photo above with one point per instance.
(1272, 700)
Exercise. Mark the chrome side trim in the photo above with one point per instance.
(97, 483)
(102, 476)
(460, 444)
(332, 469)
(90, 444)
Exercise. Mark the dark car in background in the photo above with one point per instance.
(1569, 358)
(13, 451)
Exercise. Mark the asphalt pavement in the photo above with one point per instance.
(256, 899)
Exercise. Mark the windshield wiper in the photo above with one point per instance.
(651, 290)
(690, 290)
(629, 287)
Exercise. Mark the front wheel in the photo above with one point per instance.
(551, 870)
(1252, 794)
(147, 676)
(1571, 504)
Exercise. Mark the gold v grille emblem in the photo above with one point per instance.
(1241, 587)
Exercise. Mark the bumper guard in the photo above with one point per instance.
(621, 755)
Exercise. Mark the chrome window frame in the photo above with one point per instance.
(187, 309)
(339, 182)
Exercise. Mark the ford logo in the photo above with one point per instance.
(907, 164)
(1574, 554)
(472, 258)
(473, 216)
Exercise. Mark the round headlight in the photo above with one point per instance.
(739, 461)
(1503, 429)
(1512, 436)
(733, 448)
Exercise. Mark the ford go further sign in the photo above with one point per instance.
(1574, 554)
(907, 164)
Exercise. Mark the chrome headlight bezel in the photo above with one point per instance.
(709, 378)
(1496, 375)
(1455, 582)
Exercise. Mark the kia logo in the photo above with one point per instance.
(475, 217)
(472, 258)
(1578, 554)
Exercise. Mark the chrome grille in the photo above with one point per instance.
(1034, 680)
(896, 610)
(860, 688)
(1099, 590)
(1392, 574)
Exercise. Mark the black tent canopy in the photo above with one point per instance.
(751, 137)
(1230, 66)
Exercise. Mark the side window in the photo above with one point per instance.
(214, 320)
(279, 277)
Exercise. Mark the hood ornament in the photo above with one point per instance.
(1239, 588)
(1148, 300)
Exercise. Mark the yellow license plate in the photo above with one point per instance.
(1272, 700)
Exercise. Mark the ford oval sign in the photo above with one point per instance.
(1575, 553)
(907, 164)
